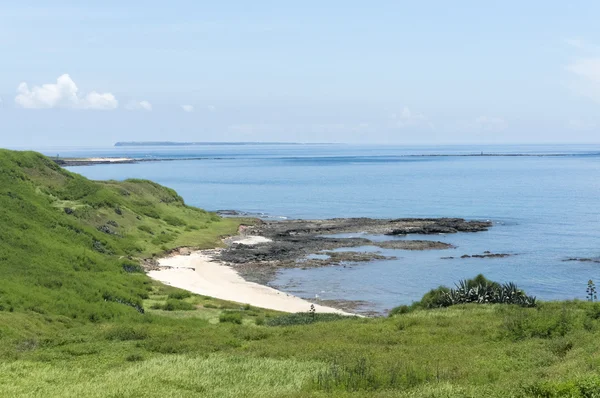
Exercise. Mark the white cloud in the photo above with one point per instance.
(586, 68)
(577, 43)
(139, 106)
(580, 125)
(187, 108)
(489, 124)
(319, 128)
(408, 118)
(586, 82)
(62, 94)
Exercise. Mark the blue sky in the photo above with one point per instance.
(432, 72)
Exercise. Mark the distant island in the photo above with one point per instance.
(171, 143)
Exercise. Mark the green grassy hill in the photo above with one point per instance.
(71, 247)
(79, 318)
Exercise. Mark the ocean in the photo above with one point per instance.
(545, 207)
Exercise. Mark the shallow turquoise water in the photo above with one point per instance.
(545, 208)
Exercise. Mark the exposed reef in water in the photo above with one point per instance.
(584, 260)
(317, 243)
(399, 226)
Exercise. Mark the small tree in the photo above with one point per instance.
(591, 291)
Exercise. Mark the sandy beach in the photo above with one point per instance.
(200, 274)
(105, 160)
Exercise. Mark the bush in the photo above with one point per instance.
(402, 309)
(584, 388)
(231, 317)
(174, 221)
(126, 333)
(362, 376)
(305, 318)
(540, 323)
(134, 358)
(145, 228)
(180, 295)
(177, 305)
(150, 212)
(132, 267)
(478, 290)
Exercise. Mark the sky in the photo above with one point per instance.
(388, 72)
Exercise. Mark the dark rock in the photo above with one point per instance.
(413, 245)
(294, 241)
(68, 210)
(584, 260)
(112, 223)
(106, 229)
(438, 226)
(118, 211)
(400, 226)
(100, 248)
(487, 254)
(228, 212)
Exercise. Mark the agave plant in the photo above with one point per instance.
(482, 291)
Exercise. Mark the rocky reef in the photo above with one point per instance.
(318, 243)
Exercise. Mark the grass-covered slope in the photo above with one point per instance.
(78, 318)
(70, 246)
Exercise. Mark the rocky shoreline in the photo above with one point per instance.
(317, 243)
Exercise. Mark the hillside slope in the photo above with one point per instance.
(70, 246)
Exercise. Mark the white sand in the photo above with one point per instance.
(111, 160)
(250, 240)
(199, 274)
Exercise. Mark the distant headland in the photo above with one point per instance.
(171, 143)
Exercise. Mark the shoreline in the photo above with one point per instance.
(199, 272)
(71, 162)
(242, 270)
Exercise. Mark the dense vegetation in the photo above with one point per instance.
(78, 318)
(478, 290)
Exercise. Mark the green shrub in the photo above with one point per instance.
(402, 309)
(180, 295)
(305, 318)
(134, 358)
(231, 317)
(132, 267)
(163, 237)
(478, 290)
(579, 388)
(150, 212)
(174, 221)
(126, 333)
(542, 323)
(177, 305)
(145, 228)
(362, 376)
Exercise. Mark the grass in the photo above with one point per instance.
(79, 318)
(74, 264)
(168, 376)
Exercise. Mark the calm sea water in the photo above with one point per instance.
(544, 209)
